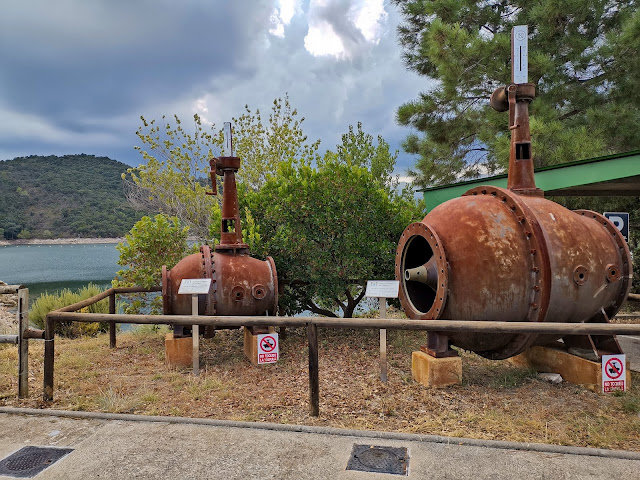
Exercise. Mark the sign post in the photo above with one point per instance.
(383, 289)
(195, 287)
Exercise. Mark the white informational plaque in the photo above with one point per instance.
(520, 54)
(228, 142)
(194, 286)
(382, 288)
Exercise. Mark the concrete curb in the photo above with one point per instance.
(471, 442)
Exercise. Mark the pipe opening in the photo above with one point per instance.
(420, 279)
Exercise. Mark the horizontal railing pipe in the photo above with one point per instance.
(357, 323)
(634, 297)
(101, 296)
(9, 339)
(34, 333)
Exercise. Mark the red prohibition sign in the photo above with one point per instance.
(614, 368)
(268, 344)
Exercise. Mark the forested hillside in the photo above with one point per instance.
(69, 196)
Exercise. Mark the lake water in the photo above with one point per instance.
(54, 267)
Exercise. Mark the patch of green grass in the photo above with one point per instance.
(629, 402)
(513, 377)
(150, 397)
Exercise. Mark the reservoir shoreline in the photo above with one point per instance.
(61, 241)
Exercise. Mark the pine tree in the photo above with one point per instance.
(584, 58)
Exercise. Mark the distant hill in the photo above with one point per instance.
(69, 196)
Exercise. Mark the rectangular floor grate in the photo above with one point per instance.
(374, 459)
(29, 461)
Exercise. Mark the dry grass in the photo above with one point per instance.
(496, 401)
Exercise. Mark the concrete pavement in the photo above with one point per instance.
(631, 347)
(128, 446)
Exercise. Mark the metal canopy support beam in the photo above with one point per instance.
(593, 177)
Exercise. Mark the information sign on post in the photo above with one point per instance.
(195, 287)
(268, 349)
(614, 373)
(383, 289)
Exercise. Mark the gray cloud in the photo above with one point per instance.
(76, 75)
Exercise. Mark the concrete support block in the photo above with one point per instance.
(572, 368)
(178, 351)
(436, 372)
(251, 341)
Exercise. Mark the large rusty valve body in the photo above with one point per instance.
(511, 255)
(241, 284)
(495, 255)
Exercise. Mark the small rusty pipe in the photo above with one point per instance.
(427, 274)
(521, 177)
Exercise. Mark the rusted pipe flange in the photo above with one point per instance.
(580, 275)
(540, 266)
(623, 275)
(420, 245)
(227, 163)
(274, 274)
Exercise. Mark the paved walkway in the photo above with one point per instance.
(127, 446)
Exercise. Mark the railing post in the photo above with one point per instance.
(314, 378)
(49, 331)
(383, 341)
(23, 343)
(112, 325)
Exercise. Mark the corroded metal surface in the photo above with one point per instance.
(511, 255)
(507, 257)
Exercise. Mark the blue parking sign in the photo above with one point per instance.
(621, 221)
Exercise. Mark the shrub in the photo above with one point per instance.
(151, 243)
(52, 301)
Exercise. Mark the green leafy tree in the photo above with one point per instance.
(357, 149)
(263, 146)
(332, 227)
(174, 177)
(151, 243)
(584, 58)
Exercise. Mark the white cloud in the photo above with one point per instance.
(339, 28)
(283, 12)
(369, 18)
(322, 40)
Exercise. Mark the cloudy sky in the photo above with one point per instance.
(75, 75)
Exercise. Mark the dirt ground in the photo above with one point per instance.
(497, 400)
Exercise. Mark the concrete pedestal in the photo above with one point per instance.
(572, 368)
(436, 372)
(178, 351)
(251, 341)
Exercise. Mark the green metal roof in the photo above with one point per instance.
(611, 175)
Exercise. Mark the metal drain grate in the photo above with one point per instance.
(370, 458)
(29, 461)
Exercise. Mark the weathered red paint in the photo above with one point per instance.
(511, 255)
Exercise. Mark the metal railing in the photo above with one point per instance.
(312, 323)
